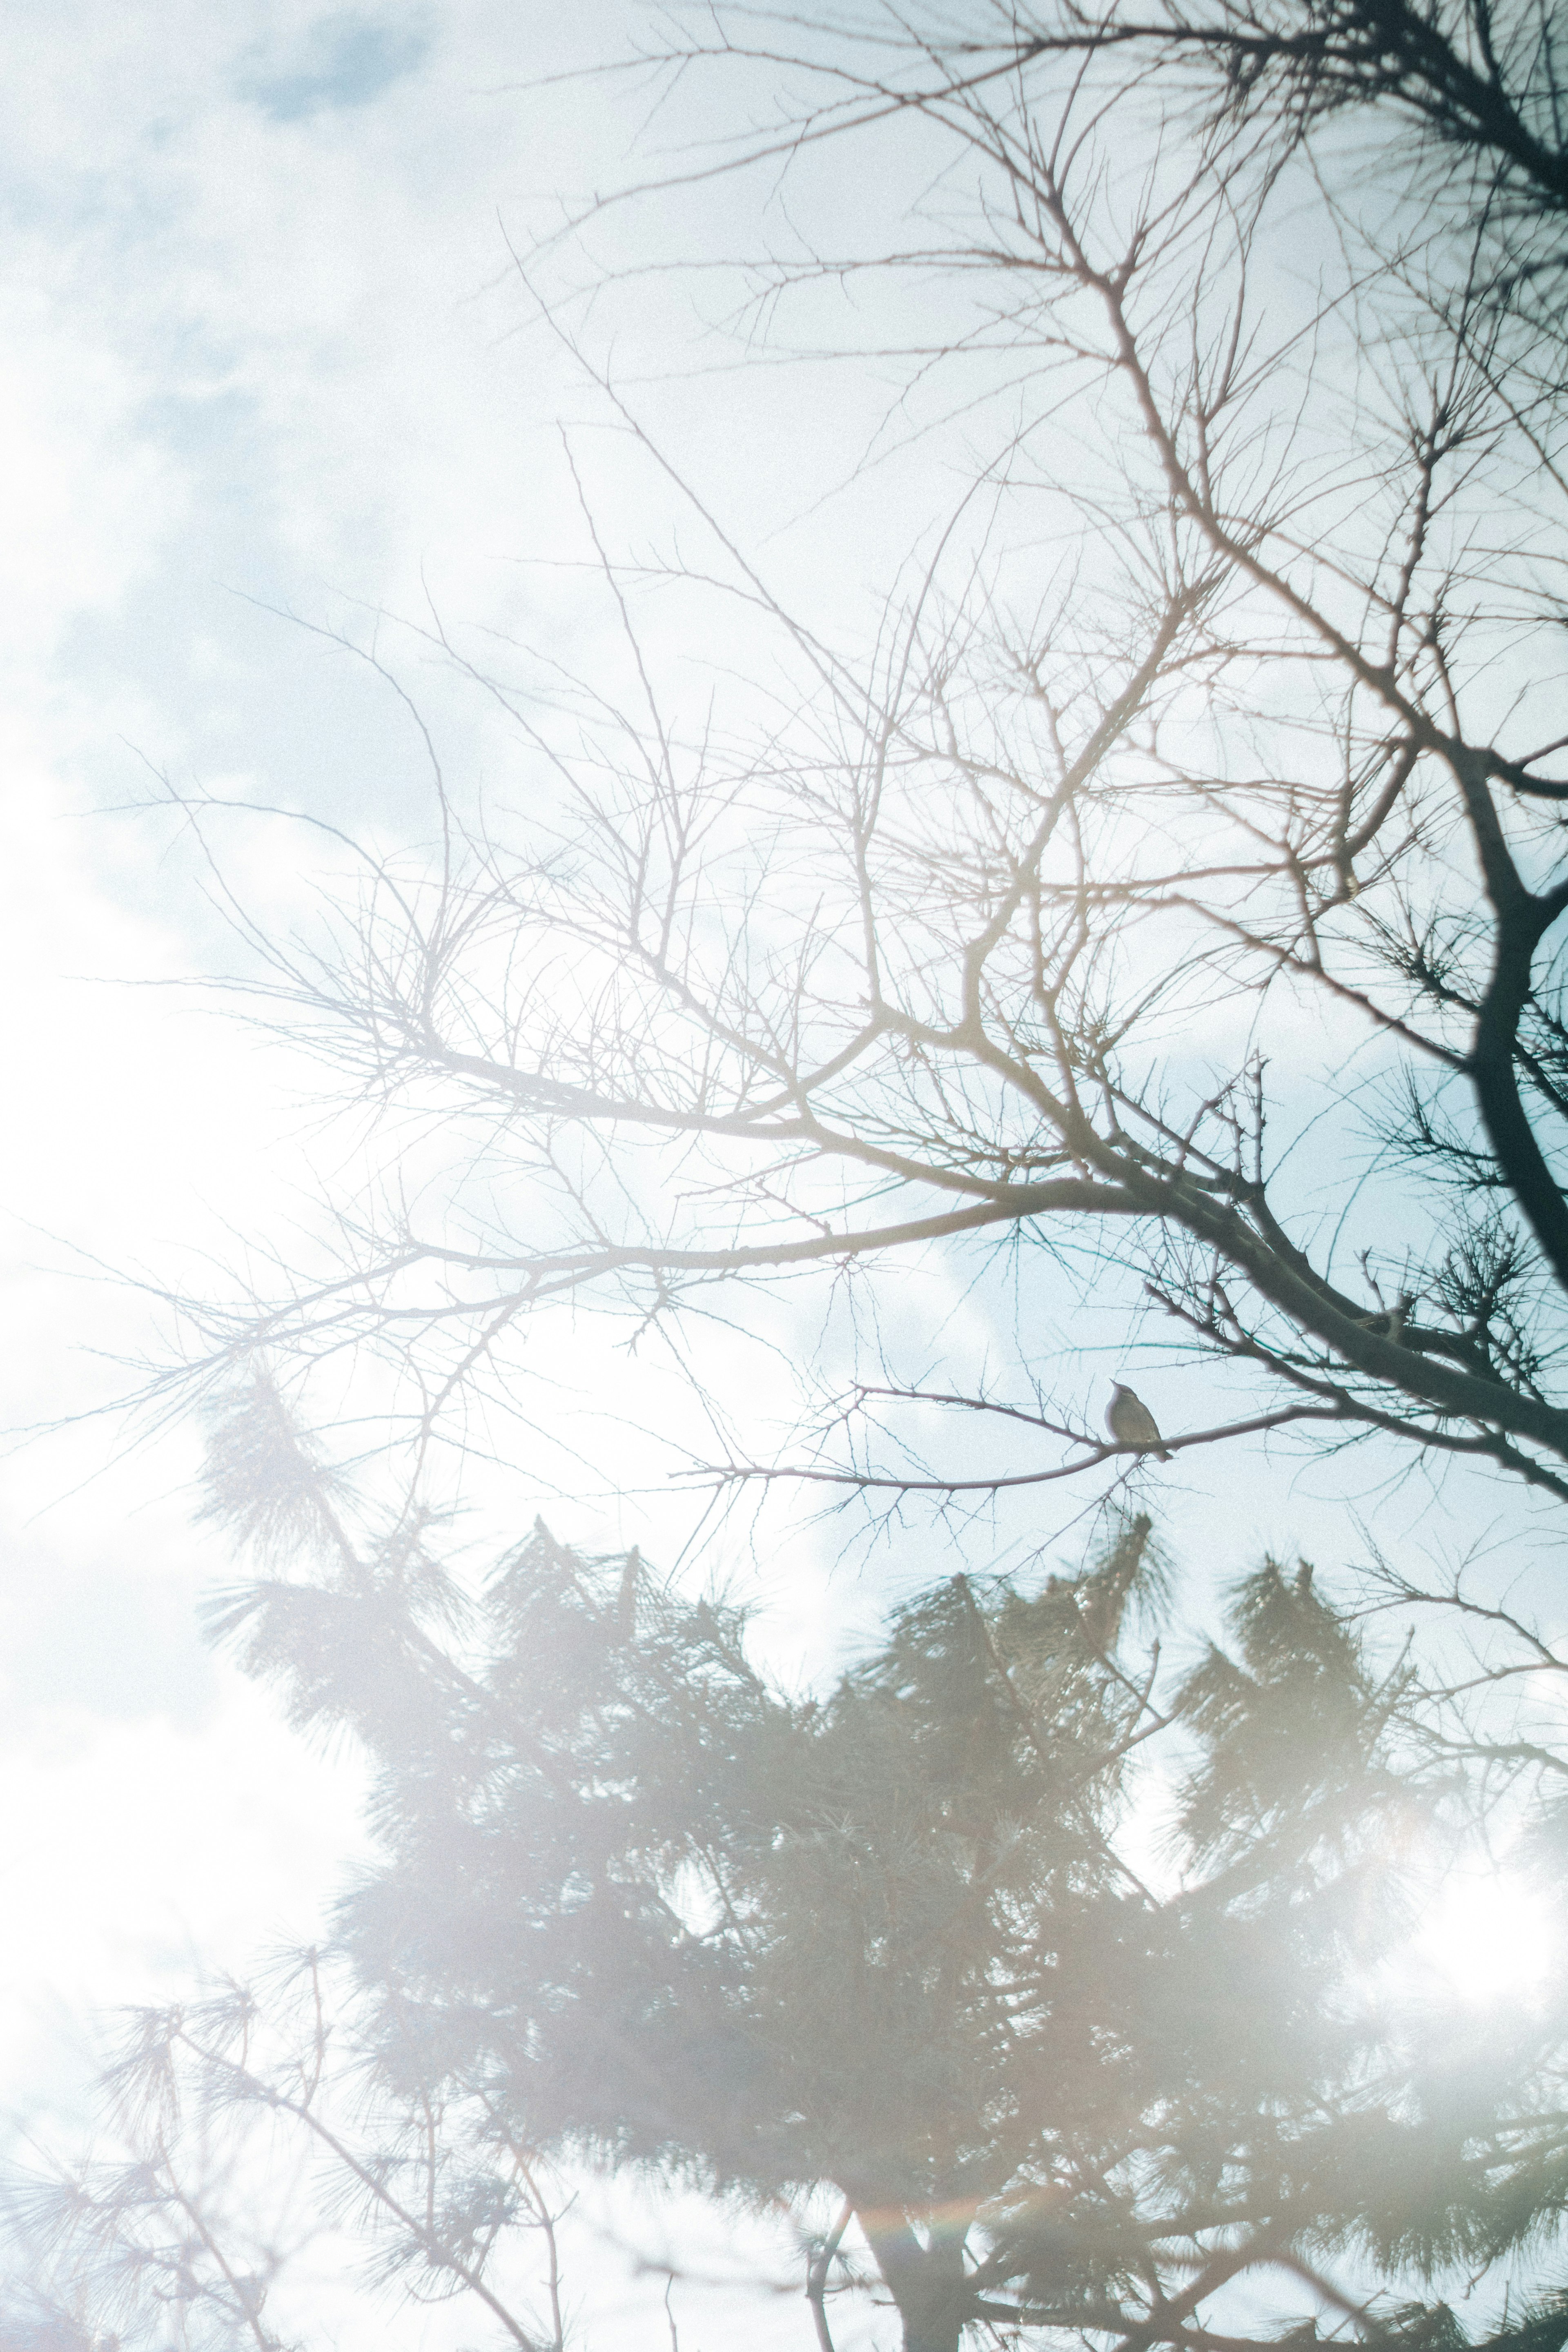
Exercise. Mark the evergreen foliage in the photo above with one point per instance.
(911, 1951)
(1052, 1993)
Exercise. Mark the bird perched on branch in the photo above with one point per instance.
(1390, 1323)
(1131, 1423)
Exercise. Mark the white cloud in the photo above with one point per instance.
(135, 1853)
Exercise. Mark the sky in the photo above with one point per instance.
(264, 373)
(269, 380)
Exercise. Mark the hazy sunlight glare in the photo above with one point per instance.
(1487, 1936)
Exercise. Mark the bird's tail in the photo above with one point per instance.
(1163, 1454)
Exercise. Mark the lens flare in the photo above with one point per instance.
(1488, 1936)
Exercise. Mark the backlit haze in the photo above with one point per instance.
(268, 375)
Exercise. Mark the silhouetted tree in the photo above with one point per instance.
(1224, 747)
(907, 1960)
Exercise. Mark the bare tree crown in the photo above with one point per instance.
(1237, 721)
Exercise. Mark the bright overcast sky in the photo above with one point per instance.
(264, 353)
(261, 355)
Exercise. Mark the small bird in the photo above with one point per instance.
(1131, 1423)
(1390, 1323)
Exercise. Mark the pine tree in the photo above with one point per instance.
(889, 1952)
(1049, 1991)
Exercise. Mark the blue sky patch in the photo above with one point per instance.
(344, 61)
